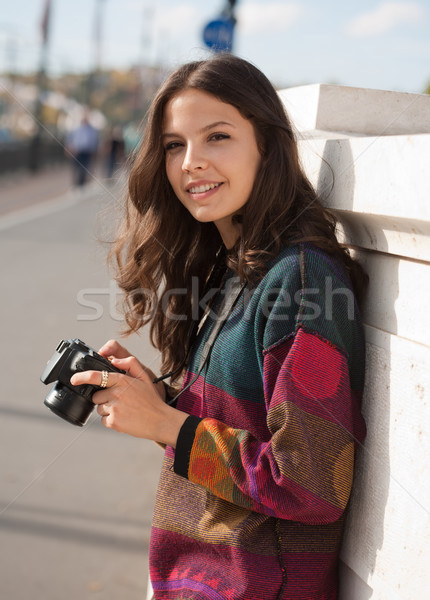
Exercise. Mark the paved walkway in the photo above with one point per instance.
(75, 503)
(22, 190)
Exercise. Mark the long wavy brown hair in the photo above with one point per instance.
(161, 250)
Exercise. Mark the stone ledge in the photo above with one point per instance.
(400, 237)
(356, 110)
(373, 175)
(394, 300)
(378, 186)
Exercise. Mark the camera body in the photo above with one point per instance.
(73, 402)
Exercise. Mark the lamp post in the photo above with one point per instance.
(97, 45)
(98, 34)
(41, 86)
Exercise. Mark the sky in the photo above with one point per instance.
(366, 43)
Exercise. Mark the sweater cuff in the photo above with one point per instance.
(184, 445)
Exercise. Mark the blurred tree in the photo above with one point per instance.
(122, 96)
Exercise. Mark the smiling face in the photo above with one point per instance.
(212, 158)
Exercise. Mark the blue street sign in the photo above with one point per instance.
(218, 35)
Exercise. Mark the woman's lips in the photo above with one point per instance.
(202, 188)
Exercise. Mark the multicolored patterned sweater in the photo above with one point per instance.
(251, 504)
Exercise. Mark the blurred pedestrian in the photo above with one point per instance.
(114, 151)
(83, 144)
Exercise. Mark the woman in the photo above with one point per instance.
(222, 223)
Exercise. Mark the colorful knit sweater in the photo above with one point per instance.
(250, 506)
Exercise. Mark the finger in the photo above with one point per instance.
(103, 410)
(114, 348)
(133, 367)
(94, 378)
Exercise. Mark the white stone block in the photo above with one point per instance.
(388, 529)
(398, 295)
(380, 188)
(382, 176)
(356, 111)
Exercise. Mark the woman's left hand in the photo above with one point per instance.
(132, 404)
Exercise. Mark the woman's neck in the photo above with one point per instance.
(229, 232)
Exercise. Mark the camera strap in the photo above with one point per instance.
(215, 282)
(233, 291)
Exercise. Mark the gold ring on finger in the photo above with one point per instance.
(105, 377)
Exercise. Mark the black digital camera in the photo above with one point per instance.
(73, 402)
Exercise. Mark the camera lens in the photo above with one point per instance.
(69, 405)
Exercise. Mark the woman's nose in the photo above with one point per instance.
(194, 159)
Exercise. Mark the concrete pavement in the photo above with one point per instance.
(21, 190)
(75, 504)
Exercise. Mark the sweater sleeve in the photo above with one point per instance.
(304, 472)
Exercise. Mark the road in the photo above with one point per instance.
(75, 503)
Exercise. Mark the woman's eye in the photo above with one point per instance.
(219, 136)
(172, 146)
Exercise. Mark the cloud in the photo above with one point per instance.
(177, 19)
(172, 17)
(268, 17)
(384, 17)
(133, 5)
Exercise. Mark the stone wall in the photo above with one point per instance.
(368, 153)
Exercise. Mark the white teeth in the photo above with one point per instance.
(203, 188)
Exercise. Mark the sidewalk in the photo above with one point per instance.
(22, 190)
(25, 193)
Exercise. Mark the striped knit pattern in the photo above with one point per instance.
(251, 504)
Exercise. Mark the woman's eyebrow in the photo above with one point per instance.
(203, 129)
(216, 124)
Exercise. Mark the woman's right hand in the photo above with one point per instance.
(113, 349)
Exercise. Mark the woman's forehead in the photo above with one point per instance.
(198, 109)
